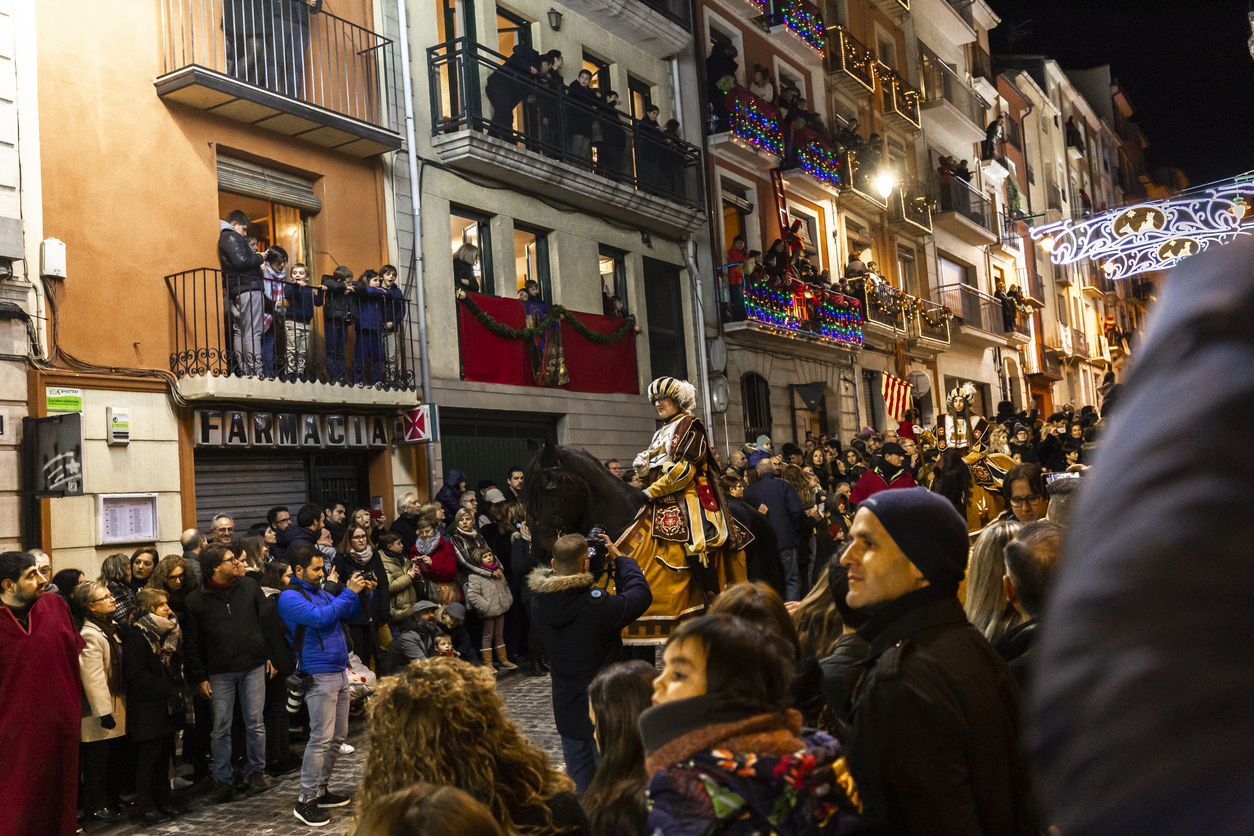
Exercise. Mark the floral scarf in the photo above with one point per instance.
(162, 634)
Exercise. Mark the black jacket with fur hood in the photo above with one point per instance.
(581, 627)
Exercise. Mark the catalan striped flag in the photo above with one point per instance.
(896, 394)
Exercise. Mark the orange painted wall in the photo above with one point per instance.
(130, 182)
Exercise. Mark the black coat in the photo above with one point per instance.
(464, 276)
(783, 508)
(933, 745)
(1140, 704)
(375, 606)
(337, 302)
(149, 688)
(222, 630)
(241, 267)
(407, 528)
(583, 102)
(278, 638)
(581, 630)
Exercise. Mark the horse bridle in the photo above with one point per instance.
(562, 477)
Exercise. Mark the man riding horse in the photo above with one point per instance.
(684, 539)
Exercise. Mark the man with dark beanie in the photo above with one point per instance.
(932, 742)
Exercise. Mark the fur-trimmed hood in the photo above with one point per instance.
(543, 580)
(559, 599)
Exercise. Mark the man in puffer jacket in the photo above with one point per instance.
(315, 619)
(450, 494)
(241, 272)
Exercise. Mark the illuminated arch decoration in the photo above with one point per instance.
(1154, 236)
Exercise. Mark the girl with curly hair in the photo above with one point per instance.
(443, 722)
(427, 810)
(173, 578)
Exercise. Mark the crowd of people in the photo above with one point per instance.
(581, 122)
(790, 704)
(270, 307)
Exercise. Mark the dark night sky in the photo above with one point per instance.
(1184, 64)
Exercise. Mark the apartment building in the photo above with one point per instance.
(143, 151)
(528, 182)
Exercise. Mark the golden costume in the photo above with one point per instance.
(685, 541)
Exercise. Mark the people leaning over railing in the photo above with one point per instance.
(268, 325)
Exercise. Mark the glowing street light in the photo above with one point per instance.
(884, 184)
(1047, 243)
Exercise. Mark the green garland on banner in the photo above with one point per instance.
(555, 313)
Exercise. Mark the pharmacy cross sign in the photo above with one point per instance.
(1154, 236)
(421, 424)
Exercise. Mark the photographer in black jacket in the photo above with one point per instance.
(581, 624)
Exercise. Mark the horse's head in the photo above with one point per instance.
(557, 498)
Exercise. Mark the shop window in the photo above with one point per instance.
(531, 261)
(471, 240)
(755, 400)
(613, 267)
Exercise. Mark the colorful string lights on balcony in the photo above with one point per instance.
(804, 309)
(754, 121)
(818, 159)
(805, 20)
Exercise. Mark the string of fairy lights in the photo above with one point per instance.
(806, 21)
(836, 317)
(819, 160)
(755, 122)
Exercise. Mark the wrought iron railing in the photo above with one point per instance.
(1010, 236)
(850, 58)
(911, 205)
(817, 157)
(473, 89)
(803, 18)
(783, 303)
(959, 196)
(940, 82)
(860, 174)
(881, 303)
(929, 321)
(228, 325)
(1031, 283)
(293, 48)
(1050, 364)
(981, 62)
(1080, 344)
(754, 121)
(1014, 134)
(975, 308)
(900, 99)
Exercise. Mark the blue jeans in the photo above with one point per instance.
(793, 589)
(250, 687)
(581, 761)
(337, 350)
(327, 702)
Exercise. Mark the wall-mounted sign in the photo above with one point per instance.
(63, 399)
(287, 431)
(421, 424)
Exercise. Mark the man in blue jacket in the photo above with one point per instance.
(315, 619)
(787, 517)
(580, 626)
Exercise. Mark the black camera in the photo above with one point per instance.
(599, 561)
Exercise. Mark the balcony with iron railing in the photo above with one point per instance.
(1047, 366)
(1014, 133)
(749, 135)
(982, 77)
(965, 212)
(858, 185)
(1094, 282)
(927, 325)
(819, 168)
(883, 309)
(910, 208)
(1080, 344)
(660, 28)
(898, 10)
(993, 161)
(290, 345)
(287, 66)
(955, 113)
(801, 24)
(1033, 286)
(492, 119)
(1010, 241)
(983, 319)
(901, 101)
(780, 311)
(850, 65)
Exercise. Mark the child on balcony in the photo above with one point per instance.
(337, 312)
(301, 300)
(274, 277)
(368, 328)
(393, 315)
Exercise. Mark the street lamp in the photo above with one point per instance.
(555, 20)
(1047, 243)
(884, 184)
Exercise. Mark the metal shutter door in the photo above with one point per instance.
(246, 485)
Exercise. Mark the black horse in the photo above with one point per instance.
(568, 491)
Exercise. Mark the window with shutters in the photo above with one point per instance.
(872, 400)
(755, 399)
(271, 224)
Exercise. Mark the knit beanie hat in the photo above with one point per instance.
(928, 529)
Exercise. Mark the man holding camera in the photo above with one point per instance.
(314, 618)
(581, 625)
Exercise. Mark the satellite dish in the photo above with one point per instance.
(718, 356)
(921, 383)
(720, 394)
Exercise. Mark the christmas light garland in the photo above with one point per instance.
(806, 20)
(836, 317)
(818, 159)
(755, 121)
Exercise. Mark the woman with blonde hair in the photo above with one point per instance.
(986, 604)
(444, 722)
(104, 697)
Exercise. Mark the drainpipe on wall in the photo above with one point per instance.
(416, 203)
(703, 365)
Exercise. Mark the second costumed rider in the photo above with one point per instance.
(684, 539)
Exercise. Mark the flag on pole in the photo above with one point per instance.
(896, 394)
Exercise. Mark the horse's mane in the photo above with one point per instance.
(953, 480)
(577, 462)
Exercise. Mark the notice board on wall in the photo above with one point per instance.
(127, 517)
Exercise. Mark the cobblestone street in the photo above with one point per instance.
(271, 813)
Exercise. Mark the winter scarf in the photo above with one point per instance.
(426, 547)
(162, 634)
(360, 557)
